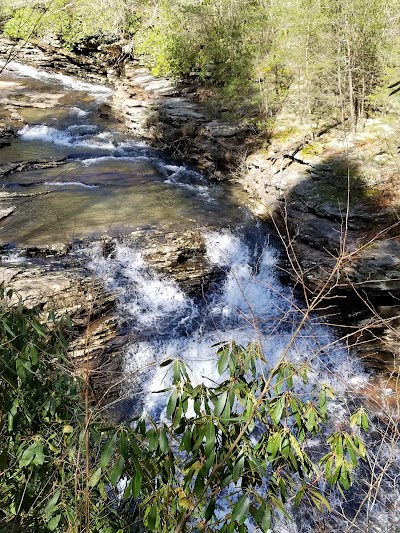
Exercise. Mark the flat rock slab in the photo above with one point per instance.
(6, 211)
(68, 293)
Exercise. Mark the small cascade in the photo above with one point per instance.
(111, 179)
(250, 305)
(100, 91)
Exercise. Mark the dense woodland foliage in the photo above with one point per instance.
(330, 57)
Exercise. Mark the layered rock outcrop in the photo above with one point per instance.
(332, 194)
(335, 200)
(165, 113)
(42, 279)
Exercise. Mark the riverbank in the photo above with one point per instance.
(300, 181)
(332, 195)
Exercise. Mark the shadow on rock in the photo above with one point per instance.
(341, 225)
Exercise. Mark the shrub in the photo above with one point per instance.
(43, 437)
(24, 23)
(225, 455)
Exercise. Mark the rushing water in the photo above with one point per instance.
(111, 182)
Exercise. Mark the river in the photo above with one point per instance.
(103, 180)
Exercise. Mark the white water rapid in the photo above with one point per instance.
(250, 305)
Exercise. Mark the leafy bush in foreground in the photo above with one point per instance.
(43, 440)
(223, 455)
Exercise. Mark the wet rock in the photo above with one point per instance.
(6, 133)
(180, 255)
(21, 166)
(105, 111)
(68, 293)
(6, 211)
(61, 283)
(163, 112)
(74, 294)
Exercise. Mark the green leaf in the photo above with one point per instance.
(172, 403)
(95, 478)
(108, 451)
(225, 416)
(364, 421)
(137, 483)
(210, 439)
(27, 456)
(339, 446)
(266, 519)
(8, 329)
(241, 510)
(220, 404)
(319, 500)
(38, 329)
(177, 372)
(210, 461)
(274, 445)
(309, 417)
(352, 450)
(208, 514)
(198, 485)
(277, 410)
(223, 360)
(52, 505)
(299, 496)
(238, 468)
(163, 441)
(116, 472)
(153, 439)
(152, 520)
(52, 525)
(39, 455)
(178, 415)
(166, 362)
(322, 401)
(226, 480)
(123, 445)
(186, 441)
(344, 477)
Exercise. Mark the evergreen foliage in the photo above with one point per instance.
(329, 56)
(224, 456)
(42, 429)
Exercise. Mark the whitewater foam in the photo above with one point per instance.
(78, 112)
(99, 160)
(96, 90)
(44, 133)
(69, 184)
(251, 305)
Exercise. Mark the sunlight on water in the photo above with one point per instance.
(69, 82)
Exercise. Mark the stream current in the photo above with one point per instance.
(107, 181)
